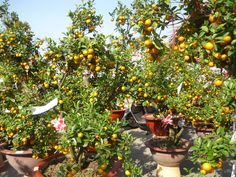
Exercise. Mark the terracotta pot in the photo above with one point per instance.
(203, 128)
(168, 160)
(45, 162)
(117, 114)
(21, 161)
(156, 126)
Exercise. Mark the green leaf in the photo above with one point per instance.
(205, 29)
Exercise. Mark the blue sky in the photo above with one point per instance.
(48, 18)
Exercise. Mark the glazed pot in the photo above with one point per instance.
(156, 126)
(168, 160)
(21, 161)
(117, 114)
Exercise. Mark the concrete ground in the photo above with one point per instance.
(142, 156)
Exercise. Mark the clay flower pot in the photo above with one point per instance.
(117, 114)
(156, 126)
(203, 128)
(169, 159)
(45, 162)
(21, 161)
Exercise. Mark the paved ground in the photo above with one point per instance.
(141, 154)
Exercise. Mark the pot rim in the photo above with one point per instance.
(117, 110)
(17, 152)
(187, 144)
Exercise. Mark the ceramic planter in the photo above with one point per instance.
(21, 161)
(117, 114)
(168, 160)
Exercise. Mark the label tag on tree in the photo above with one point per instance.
(233, 137)
(1, 80)
(179, 88)
(41, 109)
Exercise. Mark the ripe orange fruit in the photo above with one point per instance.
(114, 136)
(148, 43)
(98, 68)
(148, 22)
(149, 29)
(211, 63)
(175, 48)
(182, 45)
(145, 95)
(212, 18)
(207, 167)
(217, 56)
(186, 58)
(218, 82)
(90, 51)
(224, 57)
(227, 39)
(46, 85)
(88, 21)
(209, 46)
(91, 28)
(181, 38)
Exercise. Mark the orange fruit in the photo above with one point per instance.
(186, 58)
(217, 56)
(227, 39)
(209, 46)
(176, 48)
(182, 45)
(148, 43)
(181, 38)
(218, 82)
(219, 164)
(207, 167)
(224, 57)
(212, 18)
(211, 63)
(148, 22)
(103, 166)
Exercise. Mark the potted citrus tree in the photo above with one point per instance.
(87, 73)
(25, 135)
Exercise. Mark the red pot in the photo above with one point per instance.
(117, 114)
(156, 126)
(43, 163)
